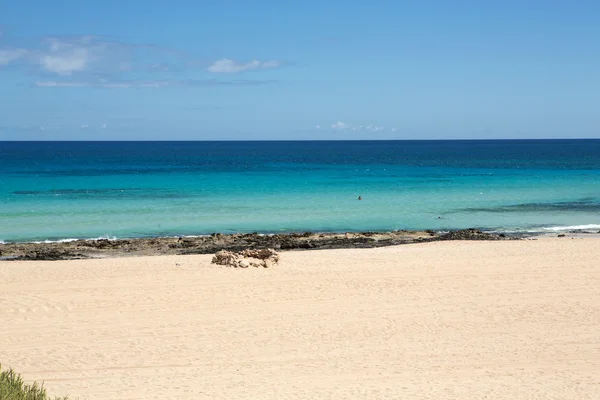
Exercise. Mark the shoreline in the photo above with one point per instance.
(77, 249)
(210, 244)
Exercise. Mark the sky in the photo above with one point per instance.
(294, 70)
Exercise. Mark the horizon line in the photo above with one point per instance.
(290, 140)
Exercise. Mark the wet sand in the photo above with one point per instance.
(442, 320)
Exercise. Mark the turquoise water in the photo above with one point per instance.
(62, 190)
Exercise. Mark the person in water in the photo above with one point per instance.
(360, 197)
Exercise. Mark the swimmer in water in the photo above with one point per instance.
(360, 197)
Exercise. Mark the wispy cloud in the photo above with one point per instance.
(61, 84)
(343, 126)
(69, 55)
(127, 84)
(81, 60)
(340, 126)
(226, 65)
(159, 67)
(65, 64)
(9, 55)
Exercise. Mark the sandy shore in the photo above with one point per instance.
(443, 320)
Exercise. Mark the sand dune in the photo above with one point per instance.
(445, 320)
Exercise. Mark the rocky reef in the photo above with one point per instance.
(472, 234)
(211, 244)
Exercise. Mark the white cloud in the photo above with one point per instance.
(112, 85)
(76, 54)
(101, 84)
(270, 64)
(226, 65)
(10, 55)
(85, 58)
(57, 84)
(159, 67)
(343, 126)
(318, 127)
(126, 84)
(83, 126)
(67, 62)
(62, 57)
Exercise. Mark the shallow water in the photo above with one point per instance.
(60, 190)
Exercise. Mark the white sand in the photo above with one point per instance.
(446, 320)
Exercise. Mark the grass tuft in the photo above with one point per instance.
(12, 387)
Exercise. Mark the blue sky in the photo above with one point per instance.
(210, 70)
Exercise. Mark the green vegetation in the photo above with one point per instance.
(12, 387)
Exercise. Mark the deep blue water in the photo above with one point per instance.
(60, 190)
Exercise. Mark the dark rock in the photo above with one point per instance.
(471, 234)
(234, 242)
(104, 243)
(187, 243)
(51, 255)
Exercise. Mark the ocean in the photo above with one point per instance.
(68, 190)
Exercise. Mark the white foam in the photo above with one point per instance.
(2, 242)
(188, 236)
(105, 237)
(572, 228)
(515, 230)
(545, 229)
(56, 241)
(68, 240)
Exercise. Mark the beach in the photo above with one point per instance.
(442, 320)
(299, 201)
